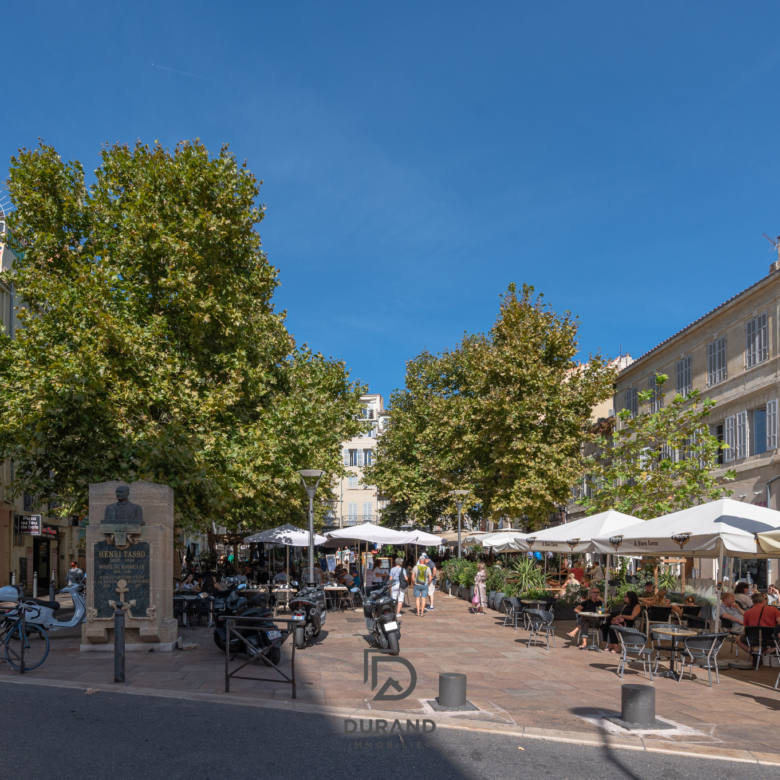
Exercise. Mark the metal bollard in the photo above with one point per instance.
(119, 643)
(22, 641)
(13, 578)
(452, 690)
(637, 704)
(35, 585)
(51, 588)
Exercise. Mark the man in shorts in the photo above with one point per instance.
(421, 578)
(397, 576)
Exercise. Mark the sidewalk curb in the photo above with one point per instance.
(691, 750)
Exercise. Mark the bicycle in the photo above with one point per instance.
(26, 644)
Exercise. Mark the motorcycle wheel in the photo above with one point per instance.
(218, 641)
(317, 631)
(299, 637)
(275, 655)
(392, 641)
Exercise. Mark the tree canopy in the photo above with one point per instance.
(150, 347)
(659, 461)
(502, 415)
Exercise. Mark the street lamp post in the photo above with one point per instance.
(459, 496)
(313, 476)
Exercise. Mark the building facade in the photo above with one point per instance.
(29, 559)
(357, 502)
(731, 355)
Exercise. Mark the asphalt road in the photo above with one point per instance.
(64, 734)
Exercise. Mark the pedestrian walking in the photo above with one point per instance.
(421, 577)
(480, 589)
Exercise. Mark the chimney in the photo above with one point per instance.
(773, 267)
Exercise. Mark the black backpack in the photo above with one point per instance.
(402, 581)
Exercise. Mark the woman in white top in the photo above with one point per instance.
(396, 573)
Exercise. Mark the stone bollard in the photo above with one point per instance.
(119, 643)
(35, 585)
(637, 704)
(452, 690)
(51, 588)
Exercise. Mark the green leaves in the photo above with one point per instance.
(503, 415)
(659, 462)
(151, 348)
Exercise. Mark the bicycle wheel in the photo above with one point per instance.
(36, 647)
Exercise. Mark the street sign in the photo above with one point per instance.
(29, 525)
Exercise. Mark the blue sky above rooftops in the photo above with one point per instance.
(418, 157)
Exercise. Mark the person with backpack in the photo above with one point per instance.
(421, 577)
(399, 583)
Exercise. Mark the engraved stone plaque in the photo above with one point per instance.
(110, 565)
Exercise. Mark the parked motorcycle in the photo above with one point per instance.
(259, 634)
(309, 610)
(381, 621)
(42, 612)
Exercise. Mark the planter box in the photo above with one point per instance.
(565, 612)
(491, 599)
(499, 607)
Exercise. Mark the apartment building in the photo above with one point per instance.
(731, 355)
(33, 546)
(356, 501)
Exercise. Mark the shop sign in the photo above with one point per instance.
(29, 525)
(49, 531)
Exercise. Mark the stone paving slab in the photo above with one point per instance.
(532, 691)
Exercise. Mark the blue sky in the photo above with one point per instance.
(419, 157)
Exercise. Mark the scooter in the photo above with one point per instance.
(309, 610)
(42, 612)
(379, 610)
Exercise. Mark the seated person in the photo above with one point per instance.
(281, 577)
(647, 597)
(760, 614)
(742, 596)
(577, 571)
(659, 599)
(690, 601)
(730, 613)
(773, 595)
(592, 604)
(571, 583)
(628, 614)
(346, 579)
(188, 583)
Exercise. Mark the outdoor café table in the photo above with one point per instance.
(593, 643)
(673, 633)
(331, 592)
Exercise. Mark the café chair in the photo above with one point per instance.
(704, 647)
(758, 639)
(633, 641)
(540, 622)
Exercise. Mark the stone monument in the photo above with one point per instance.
(130, 559)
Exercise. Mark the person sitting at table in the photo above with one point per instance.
(577, 571)
(346, 579)
(188, 583)
(760, 614)
(742, 596)
(678, 609)
(281, 577)
(647, 597)
(592, 604)
(208, 582)
(571, 583)
(596, 573)
(773, 595)
(659, 599)
(730, 612)
(626, 617)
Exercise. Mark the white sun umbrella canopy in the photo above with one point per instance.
(473, 537)
(706, 531)
(426, 540)
(371, 533)
(577, 537)
(288, 535)
(504, 541)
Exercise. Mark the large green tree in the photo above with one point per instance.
(504, 415)
(659, 461)
(150, 347)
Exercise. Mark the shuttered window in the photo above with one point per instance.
(346, 457)
(368, 510)
(742, 435)
(756, 342)
(729, 437)
(367, 457)
(352, 510)
(632, 403)
(684, 379)
(657, 398)
(716, 361)
(771, 425)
